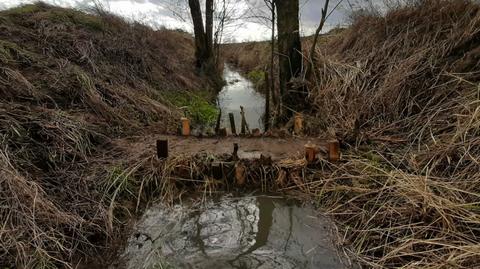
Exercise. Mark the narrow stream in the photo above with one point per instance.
(248, 232)
(239, 91)
(252, 232)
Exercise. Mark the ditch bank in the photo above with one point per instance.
(197, 223)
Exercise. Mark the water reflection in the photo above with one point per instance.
(249, 232)
(240, 92)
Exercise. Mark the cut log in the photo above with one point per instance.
(162, 149)
(240, 174)
(256, 132)
(185, 126)
(333, 150)
(223, 132)
(298, 124)
(310, 152)
(217, 171)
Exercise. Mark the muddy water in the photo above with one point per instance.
(237, 92)
(248, 232)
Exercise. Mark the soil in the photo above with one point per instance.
(249, 147)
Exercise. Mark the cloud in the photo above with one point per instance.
(174, 14)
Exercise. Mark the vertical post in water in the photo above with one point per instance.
(217, 126)
(245, 128)
(232, 123)
(267, 102)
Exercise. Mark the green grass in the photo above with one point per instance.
(196, 107)
(257, 77)
(119, 182)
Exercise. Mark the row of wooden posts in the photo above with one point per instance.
(311, 150)
(297, 127)
(245, 129)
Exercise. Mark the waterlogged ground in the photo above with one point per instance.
(239, 91)
(248, 232)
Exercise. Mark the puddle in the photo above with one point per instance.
(249, 232)
(237, 92)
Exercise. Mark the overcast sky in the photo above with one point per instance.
(168, 13)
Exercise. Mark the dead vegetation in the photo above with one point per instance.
(402, 92)
(69, 83)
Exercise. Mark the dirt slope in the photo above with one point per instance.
(69, 83)
(401, 90)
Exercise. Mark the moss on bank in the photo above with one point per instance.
(196, 107)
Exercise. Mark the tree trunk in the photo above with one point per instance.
(272, 60)
(199, 32)
(209, 28)
(289, 47)
(270, 77)
(267, 102)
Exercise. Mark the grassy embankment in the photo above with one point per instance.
(70, 83)
(402, 93)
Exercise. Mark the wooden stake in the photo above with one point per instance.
(245, 128)
(185, 126)
(223, 132)
(219, 119)
(235, 152)
(240, 174)
(310, 152)
(333, 150)
(217, 171)
(298, 124)
(232, 123)
(162, 149)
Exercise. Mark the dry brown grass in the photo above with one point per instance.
(402, 92)
(248, 56)
(387, 217)
(69, 83)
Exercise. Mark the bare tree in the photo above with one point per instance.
(265, 14)
(209, 27)
(201, 53)
(319, 29)
(290, 57)
(220, 26)
(270, 91)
